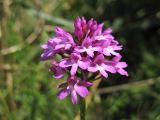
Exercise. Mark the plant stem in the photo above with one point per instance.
(82, 101)
(82, 109)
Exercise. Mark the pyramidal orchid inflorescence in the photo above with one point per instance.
(87, 52)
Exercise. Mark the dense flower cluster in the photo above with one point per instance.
(89, 51)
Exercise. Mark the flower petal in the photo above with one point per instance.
(58, 76)
(81, 90)
(84, 83)
(122, 72)
(92, 68)
(117, 58)
(58, 72)
(65, 63)
(99, 59)
(109, 68)
(96, 48)
(79, 49)
(44, 46)
(74, 69)
(102, 71)
(121, 65)
(74, 97)
(68, 46)
(83, 64)
(47, 55)
(108, 31)
(59, 46)
(55, 41)
(90, 52)
(62, 94)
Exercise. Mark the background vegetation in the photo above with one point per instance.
(27, 89)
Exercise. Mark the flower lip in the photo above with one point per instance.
(73, 86)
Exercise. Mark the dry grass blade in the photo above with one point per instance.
(127, 86)
(45, 16)
(8, 67)
(11, 49)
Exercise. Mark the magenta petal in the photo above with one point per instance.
(79, 49)
(115, 53)
(100, 37)
(81, 90)
(83, 23)
(90, 52)
(84, 83)
(110, 50)
(99, 59)
(67, 46)
(59, 31)
(106, 52)
(108, 31)
(103, 72)
(117, 58)
(55, 40)
(58, 75)
(74, 69)
(121, 65)
(62, 94)
(44, 46)
(65, 63)
(109, 37)
(109, 68)
(117, 47)
(74, 97)
(46, 55)
(122, 72)
(65, 36)
(83, 64)
(59, 46)
(97, 48)
(92, 68)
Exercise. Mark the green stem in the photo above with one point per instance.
(82, 101)
(82, 109)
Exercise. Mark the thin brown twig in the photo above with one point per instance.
(30, 39)
(97, 78)
(9, 84)
(11, 49)
(127, 86)
(38, 29)
(8, 67)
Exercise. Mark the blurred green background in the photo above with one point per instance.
(27, 89)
